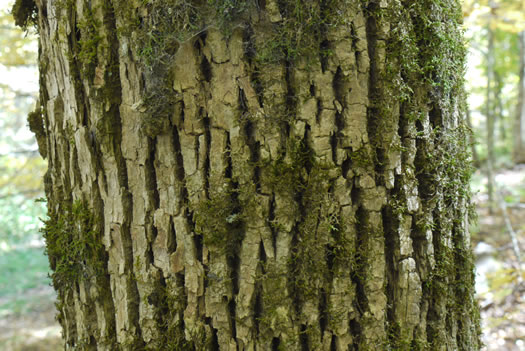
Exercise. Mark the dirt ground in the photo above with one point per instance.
(36, 328)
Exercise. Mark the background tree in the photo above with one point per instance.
(232, 175)
(519, 127)
(494, 28)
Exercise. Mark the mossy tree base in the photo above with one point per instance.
(257, 175)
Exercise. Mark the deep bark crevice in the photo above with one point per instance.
(303, 338)
(207, 140)
(172, 237)
(233, 319)
(228, 171)
(214, 344)
(151, 174)
(374, 115)
(390, 229)
(323, 311)
(359, 275)
(198, 243)
(338, 85)
(276, 342)
(346, 166)
(254, 146)
(356, 331)
(177, 149)
(273, 229)
(435, 117)
(318, 111)
(333, 343)
(206, 69)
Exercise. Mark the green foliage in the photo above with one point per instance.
(504, 93)
(19, 220)
(25, 13)
(22, 269)
(74, 245)
(16, 46)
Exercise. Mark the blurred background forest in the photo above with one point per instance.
(495, 81)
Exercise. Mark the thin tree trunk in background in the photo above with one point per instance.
(519, 122)
(489, 113)
(270, 175)
(476, 163)
(499, 116)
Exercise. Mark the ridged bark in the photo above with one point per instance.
(267, 175)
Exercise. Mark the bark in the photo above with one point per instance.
(519, 124)
(274, 175)
(476, 162)
(490, 104)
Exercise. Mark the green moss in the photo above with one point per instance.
(300, 32)
(35, 120)
(287, 175)
(230, 13)
(219, 220)
(440, 56)
(169, 303)
(89, 42)
(397, 341)
(170, 23)
(74, 245)
(25, 13)
(272, 279)
(361, 159)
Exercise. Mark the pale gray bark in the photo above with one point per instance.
(490, 104)
(519, 126)
(237, 201)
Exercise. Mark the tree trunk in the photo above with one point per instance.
(266, 175)
(490, 117)
(519, 126)
(471, 138)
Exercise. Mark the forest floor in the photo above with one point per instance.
(27, 308)
(500, 280)
(27, 311)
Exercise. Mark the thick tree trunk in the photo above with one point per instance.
(266, 175)
(519, 126)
